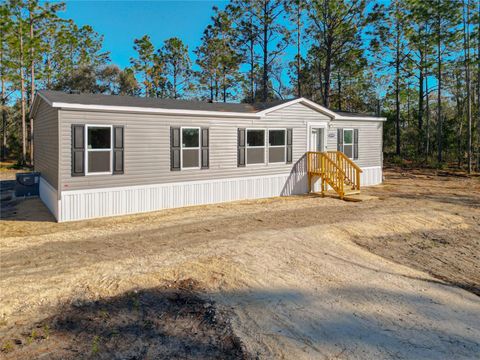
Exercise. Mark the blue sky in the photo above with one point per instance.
(120, 22)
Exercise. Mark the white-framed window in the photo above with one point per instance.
(98, 150)
(277, 145)
(348, 140)
(255, 146)
(190, 147)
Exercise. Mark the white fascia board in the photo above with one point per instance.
(69, 106)
(356, 118)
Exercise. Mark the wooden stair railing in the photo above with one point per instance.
(335, 169)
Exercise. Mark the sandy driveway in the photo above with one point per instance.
(293, 274)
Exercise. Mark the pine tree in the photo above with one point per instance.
(144, 62)
(177, 66)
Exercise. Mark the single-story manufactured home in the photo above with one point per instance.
(106, 155)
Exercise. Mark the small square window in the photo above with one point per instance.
(98, 161)
(276, 137)
(256, 138)
(99, 138)
(348, 137)
(190, 138)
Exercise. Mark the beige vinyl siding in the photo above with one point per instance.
(45, 143)
(147, 146)
(369, 140)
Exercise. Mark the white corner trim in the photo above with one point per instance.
(69, 106)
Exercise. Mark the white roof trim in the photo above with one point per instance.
(136, 109)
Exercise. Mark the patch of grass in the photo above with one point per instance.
(104, 314)
(7, 346)
(96, 344)
(135, 301)
(32, 337)
(46, 331)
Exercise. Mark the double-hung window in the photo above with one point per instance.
(190, 148)
(276, 145)
(99, 149)
(255, 146)
(348, 142)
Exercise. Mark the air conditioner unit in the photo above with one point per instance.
(27, 184)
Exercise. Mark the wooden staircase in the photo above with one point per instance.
(334, 169)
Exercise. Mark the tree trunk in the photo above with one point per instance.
(421, 93)
(252, 72)
(224, 87)
(211, 89)
(22, 94)
(420, 102)
(397, 93)
(439, 92)
(339, 101)
(467, 83)
(299, 62)
(3, 104)
(32, 61)
(265, 53)
(427, 108)
(174, 83)
(478, 88)
(4, 125)
(327, 77)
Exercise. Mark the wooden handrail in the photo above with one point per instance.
(335, 169)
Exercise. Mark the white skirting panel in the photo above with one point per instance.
(371, 176)
(87, 204)
(48, 195)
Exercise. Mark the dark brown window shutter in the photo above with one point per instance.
(340, 139)
(241, 148)
(289, 145)
(355, 144)
(78, 150)
(118, 150)
(204, 149)
(175, 149)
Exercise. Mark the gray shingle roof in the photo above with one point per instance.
(118, 100)
(353, 114)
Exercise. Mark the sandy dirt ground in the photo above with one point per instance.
(299, 277)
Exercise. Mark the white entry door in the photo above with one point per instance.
(317, 143)
(317, 139)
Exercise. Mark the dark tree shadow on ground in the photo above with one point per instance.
(172, 322)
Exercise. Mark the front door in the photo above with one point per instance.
(316, 139)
